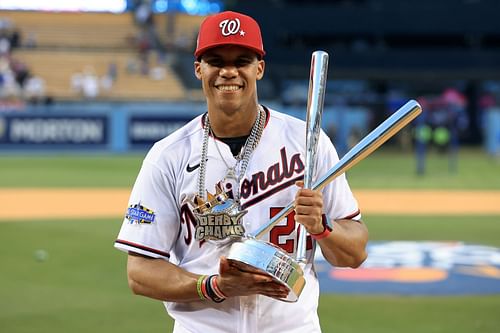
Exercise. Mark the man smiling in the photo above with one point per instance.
(249, 164)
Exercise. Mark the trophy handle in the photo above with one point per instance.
(316, 99)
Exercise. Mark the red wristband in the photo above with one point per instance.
(323, 234)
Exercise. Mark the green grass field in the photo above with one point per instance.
(81, 286)
(382, 169)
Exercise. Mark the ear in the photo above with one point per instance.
(261, 66)
(197, 69)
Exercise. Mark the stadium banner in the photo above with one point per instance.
(53, 131)
(146, 130)
(417, 268)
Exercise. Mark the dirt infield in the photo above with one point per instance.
(28, 204)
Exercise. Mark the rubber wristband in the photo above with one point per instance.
(204, 288)
(323, 234)
(216, 288)
(199, 285)
(211, 293)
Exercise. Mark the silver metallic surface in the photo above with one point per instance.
(251, 254)
(315, 102)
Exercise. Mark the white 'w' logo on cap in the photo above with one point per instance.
(230, 27)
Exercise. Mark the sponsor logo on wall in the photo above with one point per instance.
(148, 130)
(54, 130)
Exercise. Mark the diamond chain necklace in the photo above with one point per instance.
(243, 157)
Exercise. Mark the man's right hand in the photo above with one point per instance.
(236, 280)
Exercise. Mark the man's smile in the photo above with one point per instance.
(228, 87)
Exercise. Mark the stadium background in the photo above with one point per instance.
(85, 90)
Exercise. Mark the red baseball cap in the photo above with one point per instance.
(229, 28)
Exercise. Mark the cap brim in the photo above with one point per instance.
(200, 52)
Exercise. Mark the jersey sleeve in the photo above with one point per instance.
(150, 224)
(339, 201)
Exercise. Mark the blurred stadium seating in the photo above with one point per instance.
(58, 66)
(67, 30)
(57, 46)
(95, 30)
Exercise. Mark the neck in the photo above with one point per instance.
(233, 124)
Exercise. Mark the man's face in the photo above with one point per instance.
(229, 75)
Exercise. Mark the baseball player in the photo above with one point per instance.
(176, 229)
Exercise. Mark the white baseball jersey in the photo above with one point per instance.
(160, 222)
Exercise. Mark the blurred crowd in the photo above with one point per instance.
(149, 57)
(154, 52)
(18, 85)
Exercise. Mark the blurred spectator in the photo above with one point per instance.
(90, 83)
(144, 19)
(34, 90)
(86, 83)
(15, 39)
(112, 71)
(5, 24)
(9, 87)
(157, 73)
(490, 95)
(107, 80)
(10, 36)
(144, 58)
(76, 82)
(106, 83)
(21, 71)
(143, 13)
(4, 46)
(442, 122)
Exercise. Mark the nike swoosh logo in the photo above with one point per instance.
(194, 167)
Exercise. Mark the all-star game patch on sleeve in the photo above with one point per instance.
(137, 213)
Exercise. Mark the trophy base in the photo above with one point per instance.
(259, 256)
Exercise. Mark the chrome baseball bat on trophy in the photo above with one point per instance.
(253, 253)
(315, 102)
(392, 125)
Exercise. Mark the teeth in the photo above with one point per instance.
(228, 88)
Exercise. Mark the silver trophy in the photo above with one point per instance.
(266, 256)
(251, 252)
